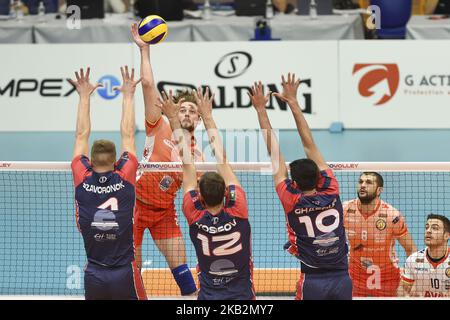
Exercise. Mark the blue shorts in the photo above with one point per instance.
(119, 283)
(226, 288)
(334, 285)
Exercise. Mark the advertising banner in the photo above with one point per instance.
(394, 84)
(36, 96)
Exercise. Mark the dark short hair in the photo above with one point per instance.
(444, 220)
(212, 188)
(103, 153)
(378, 177)
(305, 173)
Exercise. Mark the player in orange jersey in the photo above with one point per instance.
(155, 192)
(372, 227)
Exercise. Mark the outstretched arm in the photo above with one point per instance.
(289, 95)
(170, 109)
(127, 124)
(259, 101)
(407, 243)
(152, 113)
(204, 104)
(83, 127)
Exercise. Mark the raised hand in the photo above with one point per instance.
(137, 39)
(204, 102)
(129, 84)
(257, 97)
(290, 88)
(168, 106)
(82, 84)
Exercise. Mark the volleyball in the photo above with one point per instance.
(153, 29)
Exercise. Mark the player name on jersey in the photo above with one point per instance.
(311, 209)
(101, 190)
(213, 230)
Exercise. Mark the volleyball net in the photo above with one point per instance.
(42, 252)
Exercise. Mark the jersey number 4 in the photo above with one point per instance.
(111, 203)
(224, 250)
(319, 222)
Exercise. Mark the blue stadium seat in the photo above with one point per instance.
(395, 15)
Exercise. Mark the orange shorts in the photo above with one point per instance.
(388, 289)
(162, 223)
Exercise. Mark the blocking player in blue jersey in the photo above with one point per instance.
(311, 202)
(105, 198)
(219, 230)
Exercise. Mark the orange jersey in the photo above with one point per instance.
(372, 239)
(158, 189)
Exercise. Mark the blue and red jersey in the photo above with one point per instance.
(105, 208)
(315, 224)
(222, 241)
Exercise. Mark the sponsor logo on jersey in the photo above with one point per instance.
(429, 294)
(213, 230)
(102, 179)
(100, 237)
(215, 220)
(326, 240)
(146, 152)
(169, 143)
(383, 215)
(232, 195)
(366, 263)
(447, 284)
(420, 260)
(350, 233)
(419, 269)
(326, 252)
(102, 190)
(447, 272)
(165, 183)
(104, 220)
(380, 224)
(396, 219)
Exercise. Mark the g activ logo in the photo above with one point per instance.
(377, 81)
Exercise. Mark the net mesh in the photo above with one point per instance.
(42, 251)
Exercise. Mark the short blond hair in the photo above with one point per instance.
(103, 153)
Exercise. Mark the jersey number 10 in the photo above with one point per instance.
(319, 222)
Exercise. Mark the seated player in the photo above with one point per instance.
(105, 198)
(220, 231)
(372, 227)
(427, 272)
(311, 203)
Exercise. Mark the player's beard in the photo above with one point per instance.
(188, 125)
(368, 198)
